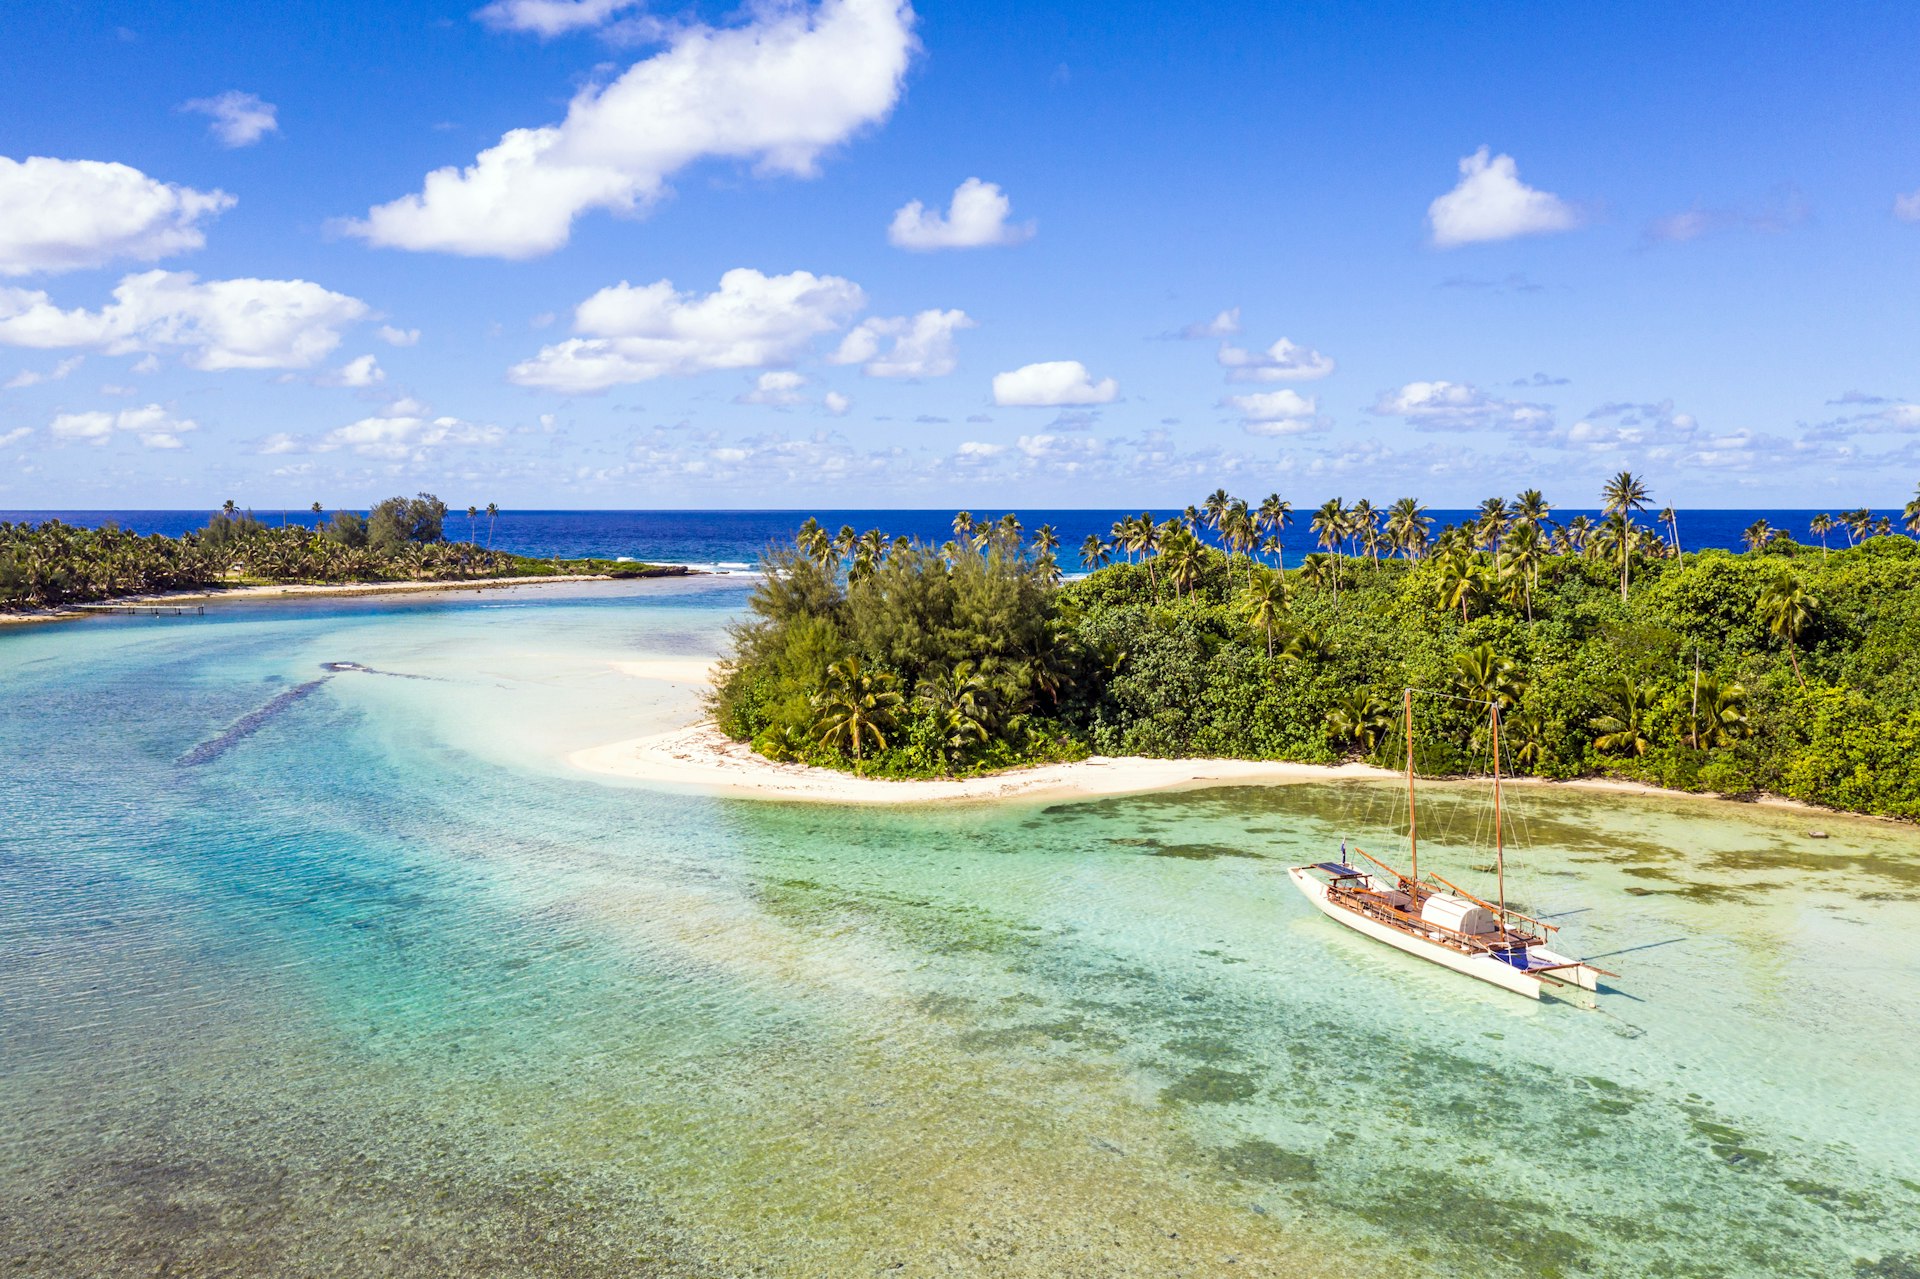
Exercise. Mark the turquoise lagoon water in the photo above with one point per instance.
(381, 986)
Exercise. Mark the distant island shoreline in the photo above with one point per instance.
(257, 592)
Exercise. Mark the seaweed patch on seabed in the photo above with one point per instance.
(247, 725)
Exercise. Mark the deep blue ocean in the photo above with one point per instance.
(736, 538)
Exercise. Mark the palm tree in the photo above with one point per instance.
(1359, 719)
(1758, 534)
(1264, 601)
(1215, 506)
(316, 516)
(1718, 714)
(1525, 554)
(473, 513)
(1624, 726)
(1912, 513)
(963, 527)
(1788, 612)
(1463, 582)
(1490, 526)
(1859, 524)
(856, 708)
(1045, 540)
(1363, 523)
(1094, 552)
(1330, 526)
(963, 706)
(1407, 527)
(1316, 570)
(1274, 518)
(1484, 676)
(1186, 556)
(1670, 520)
(230, 508)
(493, 513)
(1531, 509)
(1821, 526)
(1625, 494)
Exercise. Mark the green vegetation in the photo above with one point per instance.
(401, 539)
(1789, 669)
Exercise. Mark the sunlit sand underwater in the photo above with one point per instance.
(368, 981)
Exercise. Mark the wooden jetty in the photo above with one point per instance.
(146, 610)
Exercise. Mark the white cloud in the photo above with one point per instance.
(238, 119)
(1281, 362)
(33, 377)
(1491, 203)
(363, 371)
(637, 334)
(836, 403)
(221, 324)
(978, 451)
(1052, 383)
(975, 219)
(779, 389)
(1907, 207)
(1282, 412)
(777, 91)
(154, 426)
(922, 346)
(280, 442)
(63, 215)
(397, 337)
(14, 436)
(1459, 406)
(1223, 325)
(549, 18)
(407, 437)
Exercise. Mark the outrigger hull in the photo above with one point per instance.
(1571, 980)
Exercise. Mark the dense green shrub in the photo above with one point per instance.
(1140, 659)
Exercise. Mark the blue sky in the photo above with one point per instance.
(1447, 251)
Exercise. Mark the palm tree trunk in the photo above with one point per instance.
(1794, 658)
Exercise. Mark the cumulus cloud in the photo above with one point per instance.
(779, 389)
(219, 324)
(14, 436)
(638, 334)
(917, 346)
(777, 91)
(362, 371)
(407, 438)
(236, 119)
(397, 337)
(153, 426)
(976, 218)
(549, 18)
(33, 377)
(836, 403)
(1459, 406)
(1907, 207)
(1050, 384)
(1492, 203)
(1223, 325)
(64, 215)
(1281, 362)
(1282, 412)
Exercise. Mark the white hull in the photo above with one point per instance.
(1575, 984)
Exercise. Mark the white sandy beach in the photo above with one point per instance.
(295, 590)
(699, 757)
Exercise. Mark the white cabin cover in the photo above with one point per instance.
(1458, 914)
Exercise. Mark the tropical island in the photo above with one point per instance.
(52, 565)
(1789, 669)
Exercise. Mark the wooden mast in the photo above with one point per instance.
(1499, 851)
(1413, 841)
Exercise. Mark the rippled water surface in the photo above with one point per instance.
(363, 979)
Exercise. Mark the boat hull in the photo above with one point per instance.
(1575, 984)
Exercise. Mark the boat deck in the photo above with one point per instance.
(1399, 908)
